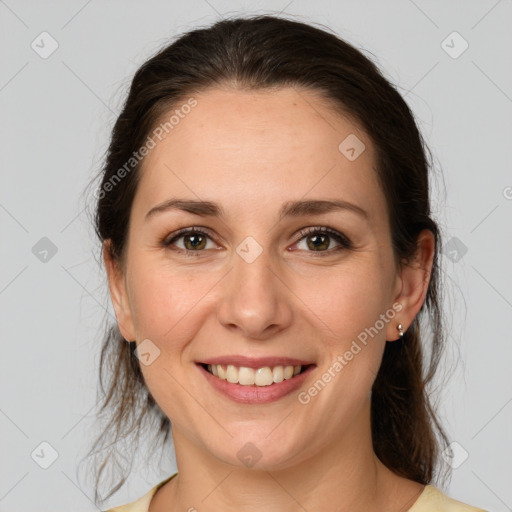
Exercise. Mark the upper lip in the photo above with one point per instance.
(256, 362)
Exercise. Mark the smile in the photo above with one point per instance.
(255, 380)
(264, 376)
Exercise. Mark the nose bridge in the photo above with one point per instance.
(253, 300)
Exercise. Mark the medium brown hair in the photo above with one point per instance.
(264, 52)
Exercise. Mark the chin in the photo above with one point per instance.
(260, 453)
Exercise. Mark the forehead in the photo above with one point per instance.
(255, 149)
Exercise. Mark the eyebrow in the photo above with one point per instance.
(289, 209)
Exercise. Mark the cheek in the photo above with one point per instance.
(169, 311)
(352, 312)
(350, 307)
(347, 299)
(162, 300)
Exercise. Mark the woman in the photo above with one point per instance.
(265, 220)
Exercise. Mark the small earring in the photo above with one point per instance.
(400, 330)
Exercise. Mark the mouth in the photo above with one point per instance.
(257, 377)
(255, 382)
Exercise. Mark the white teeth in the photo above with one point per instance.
(288, 372)
(232, 374)
(263, 377)
(248, 376)
(278, 374)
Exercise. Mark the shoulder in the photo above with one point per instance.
(142, 504)
(434, 500)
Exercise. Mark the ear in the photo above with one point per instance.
(412, 284)
(118, 293)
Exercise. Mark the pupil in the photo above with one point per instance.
(318, 237)
(197, 242)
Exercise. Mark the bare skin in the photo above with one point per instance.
(250, 152)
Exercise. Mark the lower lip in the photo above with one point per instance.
(256, 394)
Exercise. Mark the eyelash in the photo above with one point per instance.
(344, 242)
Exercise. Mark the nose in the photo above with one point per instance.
(255, 299)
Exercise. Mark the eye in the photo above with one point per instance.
(318, 238)
(194, 241)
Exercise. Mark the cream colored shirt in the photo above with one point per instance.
(430, 500)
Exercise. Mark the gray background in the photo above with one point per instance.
(56, 113)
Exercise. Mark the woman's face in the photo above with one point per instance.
(255, 289)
